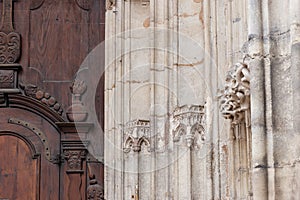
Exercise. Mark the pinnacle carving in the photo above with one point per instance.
(137, 134)
(189, 125)
(235, 98)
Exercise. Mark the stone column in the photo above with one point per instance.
(256, 65)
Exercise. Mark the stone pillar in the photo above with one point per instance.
(257, 68)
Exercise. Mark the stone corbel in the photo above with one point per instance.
(188, 125)
(137, 134)
(235, 98)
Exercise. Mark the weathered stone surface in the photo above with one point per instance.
(162, 55)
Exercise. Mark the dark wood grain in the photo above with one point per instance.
(56, 37)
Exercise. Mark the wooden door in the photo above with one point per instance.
(43, 43)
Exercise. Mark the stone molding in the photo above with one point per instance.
(235, 97)
(137, 133)
(188, 124)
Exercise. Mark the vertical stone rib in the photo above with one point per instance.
(260, 190)
(256, 64)
(295, 62)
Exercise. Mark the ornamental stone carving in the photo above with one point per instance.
(189, 125)
(137, 134)
(235, 98)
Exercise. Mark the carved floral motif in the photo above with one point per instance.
(137, 133)
(189, 125)
(9, 47)
(10, 41)
(235, 98)
(44, 97)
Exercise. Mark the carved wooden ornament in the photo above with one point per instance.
(10, 41)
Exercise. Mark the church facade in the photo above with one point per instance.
(149, 99)
(202, 99)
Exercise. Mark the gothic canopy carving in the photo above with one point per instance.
(189, 125)
(137, 134)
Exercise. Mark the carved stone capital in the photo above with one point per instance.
(137, 133)
(235, 97)
(188, 125)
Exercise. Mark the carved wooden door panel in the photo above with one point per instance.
(19, 171)
(43, 43)
(29, 156)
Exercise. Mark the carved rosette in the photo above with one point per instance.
(34, 92)
(235, 98)
(189, 125)
(74, 159)
(77, 111)
(137, 134)
(94, 190)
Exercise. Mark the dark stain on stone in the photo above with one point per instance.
(236, 20)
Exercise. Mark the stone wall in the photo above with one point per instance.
(174, 70)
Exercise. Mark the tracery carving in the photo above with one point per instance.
(137, 133)
(189, 125)
(33, 91)
(235, 105)
(94, 190)
(74, 159)
(235, 98)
